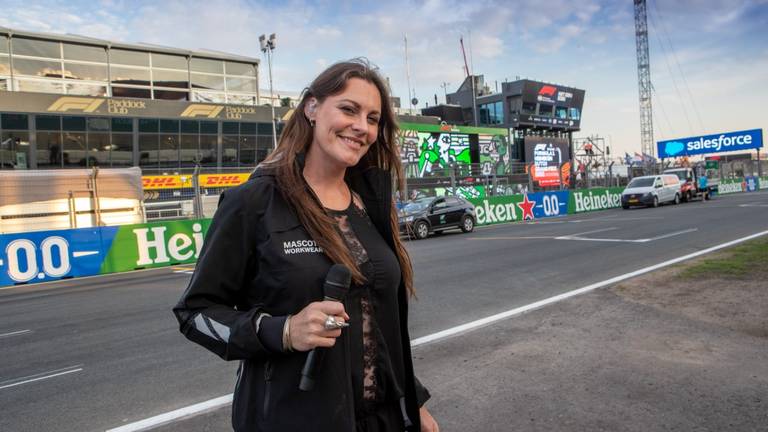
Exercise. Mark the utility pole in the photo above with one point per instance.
(267, 46)
(644, 78)
(445, 85)
(411, 97)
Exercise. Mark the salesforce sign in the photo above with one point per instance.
(718, 143)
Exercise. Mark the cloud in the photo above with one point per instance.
(588, 44)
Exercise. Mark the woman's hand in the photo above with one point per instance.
(428, 423)
(307, 328)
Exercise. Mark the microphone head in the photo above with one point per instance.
(337, 282)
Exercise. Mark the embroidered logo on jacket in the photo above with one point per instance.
(301, 246)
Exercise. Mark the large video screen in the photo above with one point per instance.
(494, 154)
(548, 160)
(425, 154)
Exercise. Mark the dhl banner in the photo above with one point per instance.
(185, 181)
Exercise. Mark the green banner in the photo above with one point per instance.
(497, 209)
(156, 244)
(762, 183)
(730, 186)
(424, 127)
(585, 200)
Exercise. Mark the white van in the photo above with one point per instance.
(651, 190)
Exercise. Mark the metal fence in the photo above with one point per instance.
(60, 199)
(190, 193)
(64, 199)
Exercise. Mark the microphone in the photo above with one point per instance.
(335, 289)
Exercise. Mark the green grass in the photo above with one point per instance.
(743, 261)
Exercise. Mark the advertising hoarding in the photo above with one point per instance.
(52, 255)
(707, 144)
(547, 160)
(595, 199)
(520, 207)
(159, 182)
(731, 186)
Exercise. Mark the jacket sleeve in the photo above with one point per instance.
(422, 394)
(208, 312)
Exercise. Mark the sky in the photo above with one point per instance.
(709, 58)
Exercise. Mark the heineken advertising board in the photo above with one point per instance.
(52, 255)
(595, 199)
(511, 208)
(731, 186)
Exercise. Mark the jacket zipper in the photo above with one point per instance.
(267, 386)
(240, 373)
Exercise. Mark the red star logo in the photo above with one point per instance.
(527, 207)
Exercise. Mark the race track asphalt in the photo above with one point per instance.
(97, 353)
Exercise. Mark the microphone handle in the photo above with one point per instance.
(314, 359)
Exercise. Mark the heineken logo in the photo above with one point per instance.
(488, 213)
(726, 188)
(588, 201)
(154, 248)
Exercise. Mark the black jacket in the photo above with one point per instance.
(255, 255)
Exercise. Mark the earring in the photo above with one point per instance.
(312, 122)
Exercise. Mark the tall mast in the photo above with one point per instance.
(644, 79)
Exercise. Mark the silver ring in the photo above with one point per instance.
(331, 323)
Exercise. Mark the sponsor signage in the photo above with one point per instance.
(549, 204)
(52, 255)
(206, 181)
(706, 144)
(84, 105)
(520, 207)
(155, 245)
(731, 186)
(751, 184)
(166, 182)
(595, 199)
(547, 160)
(548, 121)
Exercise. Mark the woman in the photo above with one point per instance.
(324, 196)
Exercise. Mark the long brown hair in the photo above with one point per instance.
(384, 154)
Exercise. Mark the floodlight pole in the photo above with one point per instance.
(267, 46)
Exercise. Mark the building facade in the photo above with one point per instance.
(70, 101)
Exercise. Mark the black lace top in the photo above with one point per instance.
(375, 377)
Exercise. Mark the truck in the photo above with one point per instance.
(689, 184)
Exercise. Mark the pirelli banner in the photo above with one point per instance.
(41, 103)
(185, 181)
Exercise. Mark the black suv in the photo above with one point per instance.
(434, 214)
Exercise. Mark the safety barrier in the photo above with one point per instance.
(52, 255)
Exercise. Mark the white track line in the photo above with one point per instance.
(219, 402)
(16, 333)
(178, 414)
(517, 311)
(41, 376)
(645, 240)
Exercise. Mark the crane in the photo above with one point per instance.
(644, 79)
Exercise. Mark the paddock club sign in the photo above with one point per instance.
(93, 106)
(706, 144)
